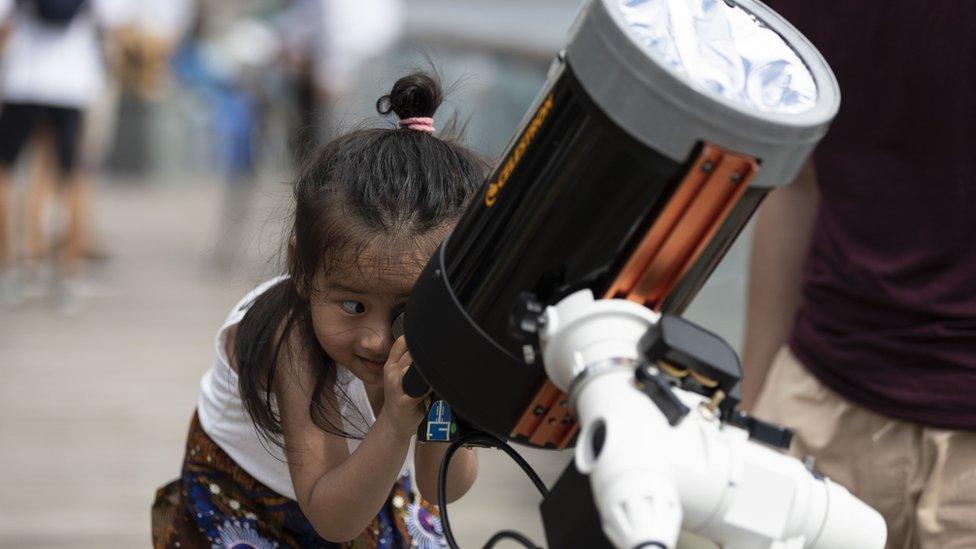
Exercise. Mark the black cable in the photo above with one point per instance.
(490, 441)
(512, 534)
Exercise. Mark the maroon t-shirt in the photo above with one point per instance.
(889, 312)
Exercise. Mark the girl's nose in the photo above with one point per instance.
(377, 339)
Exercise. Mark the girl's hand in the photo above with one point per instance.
(402, 411)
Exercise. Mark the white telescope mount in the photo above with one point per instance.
(664, 448)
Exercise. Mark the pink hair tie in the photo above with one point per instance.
(419, 123)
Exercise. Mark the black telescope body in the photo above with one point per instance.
(627, 178)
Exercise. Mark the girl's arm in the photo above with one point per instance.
(341, 493)
(460, 477)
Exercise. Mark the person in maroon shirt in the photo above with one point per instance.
(861, 329)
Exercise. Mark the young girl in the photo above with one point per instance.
(302, 435)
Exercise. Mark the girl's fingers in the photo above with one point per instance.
(398, 367)
(395, 370)
(397, 350)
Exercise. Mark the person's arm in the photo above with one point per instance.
(6, 18)
(341, 493)
(6, 11)
(780, 244)
(460, 477)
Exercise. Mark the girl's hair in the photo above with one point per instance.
(396, 184)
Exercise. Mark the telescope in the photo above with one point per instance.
(550, 316)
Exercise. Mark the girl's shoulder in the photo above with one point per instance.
(225, 334)
(245, 303)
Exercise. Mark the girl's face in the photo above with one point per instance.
(354, 307)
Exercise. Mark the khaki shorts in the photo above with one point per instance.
(921, 479)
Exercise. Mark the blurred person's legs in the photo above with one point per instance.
(16, 124)
(40, 191)
(238, 133)
(39, 205)
(97, 135)
(11, 279)
(72, 190)
(235, 208)
(10, 293)
(75, 194)
(57, 171)
(921, 479)
(5, 210)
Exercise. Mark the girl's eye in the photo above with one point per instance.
(352, 307)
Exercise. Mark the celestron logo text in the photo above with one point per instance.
(496, 186)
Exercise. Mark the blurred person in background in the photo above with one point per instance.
(861, 332)
(51, 71)
(229, 63)
(145, 44)
(153, 30)
(95, 136)
(134, 39)
(324, 43)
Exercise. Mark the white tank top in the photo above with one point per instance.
(56, 65)
(224, 419)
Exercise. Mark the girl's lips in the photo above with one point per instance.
(372, 364)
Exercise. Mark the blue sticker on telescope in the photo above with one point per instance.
(439, 422)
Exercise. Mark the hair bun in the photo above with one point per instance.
(417, 94)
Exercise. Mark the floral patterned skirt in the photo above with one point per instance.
(216, 504)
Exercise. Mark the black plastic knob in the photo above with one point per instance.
(526, 318)
(762, 431)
